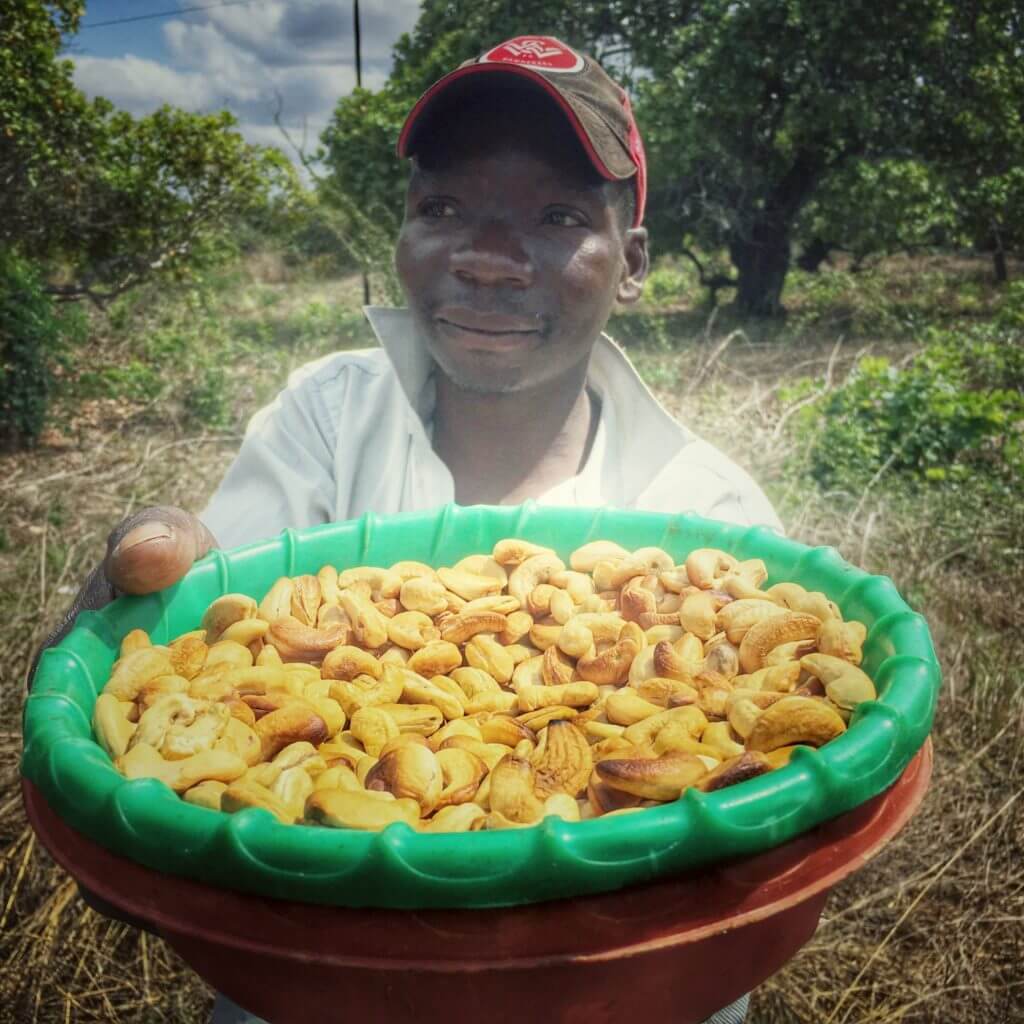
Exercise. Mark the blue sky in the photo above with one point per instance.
(237, 56)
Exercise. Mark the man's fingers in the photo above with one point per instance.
(155, 549)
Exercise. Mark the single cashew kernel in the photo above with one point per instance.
(842, 640)
(612, 666)
(660, 689)
(422, 718)
(485, 653)
(467, 625)
(373, 728)
(575, 695)
(698, 615)
(206, 794)
(454, 818)
(721, 737)
(562, 760)
(561, 805)
(765, 636)
(296, 641)
(707, 567)
(556, 668)
(437, 658)
(513, 551)
(659, 778)
(278, 600)
(369, 627)
(418, 690)
(743, 715)
(535, 570)
(188, 656)
(339, 808)
(224, 611)
(462, 773)
(795, 720)
(626, 707)
(347, 662)
(747, 765)
(410, 770)
(423, 594)
(585, 558)
(295, 721)
(513, 790)
(133, 671)
(845, 684)
(113, 730)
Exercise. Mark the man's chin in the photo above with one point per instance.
(484, 377)
(485, 384)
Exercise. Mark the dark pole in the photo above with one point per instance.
(359, 85)
(359, 55)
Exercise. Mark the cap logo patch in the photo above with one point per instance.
(542, 53)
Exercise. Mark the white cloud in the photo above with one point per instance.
(140, 86)
(250, 59)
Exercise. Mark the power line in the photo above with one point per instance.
(168, 14)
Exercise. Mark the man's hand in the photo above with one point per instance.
(146, 552)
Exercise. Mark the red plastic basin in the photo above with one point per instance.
(672, 951)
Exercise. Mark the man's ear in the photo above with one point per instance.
(636, 264)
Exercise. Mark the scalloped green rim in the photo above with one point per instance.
(400, 868)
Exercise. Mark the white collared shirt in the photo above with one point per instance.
(351, 434)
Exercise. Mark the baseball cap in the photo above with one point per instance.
(596, 108)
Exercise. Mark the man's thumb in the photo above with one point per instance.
(157, 552)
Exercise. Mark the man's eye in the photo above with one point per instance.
(437, 208)
(564, 218)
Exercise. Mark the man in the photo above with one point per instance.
(522, 230)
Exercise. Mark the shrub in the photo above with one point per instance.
(32, 340)
(954, 410)
(665, 285)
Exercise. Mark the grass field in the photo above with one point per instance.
(154, 406)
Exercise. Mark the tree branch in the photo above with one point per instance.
(712, 283)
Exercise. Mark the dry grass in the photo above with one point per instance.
(931, 930)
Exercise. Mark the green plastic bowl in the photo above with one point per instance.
(398, 867)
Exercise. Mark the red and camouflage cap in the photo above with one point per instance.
(597, 109)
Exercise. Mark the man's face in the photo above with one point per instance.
(512, 253)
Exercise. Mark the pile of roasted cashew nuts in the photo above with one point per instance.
(488, 694)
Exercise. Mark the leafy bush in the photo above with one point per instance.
(32, 339)
(665, 284)
(953, 411)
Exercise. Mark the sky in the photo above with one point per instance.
(238, 56)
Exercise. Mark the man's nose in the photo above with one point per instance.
(492, 255)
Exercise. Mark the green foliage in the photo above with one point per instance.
(952, 413)
(765, 124)
(101, 201)
(873, 208)
(111, 199)
(666, 284)
(33, 337)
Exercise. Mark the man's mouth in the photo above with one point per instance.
(499, 326)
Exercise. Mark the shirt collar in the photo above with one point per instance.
(646, 437)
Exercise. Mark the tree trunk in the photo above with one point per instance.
(762, 262)
(814, 255)
(999, 261)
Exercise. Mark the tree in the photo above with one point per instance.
(875, 208)
(94, 201)
(109, 198)
(753, 111)
(752, 107)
